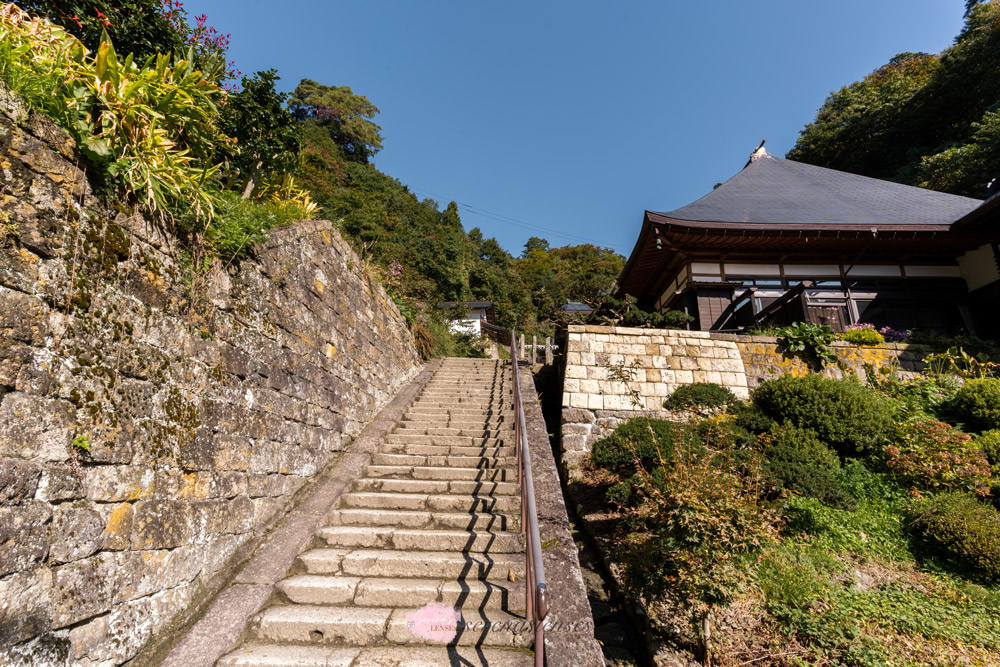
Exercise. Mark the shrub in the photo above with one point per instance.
(811, 341)
(647, 441)
(934, 455)
(847, 416)
(699, 395)
(961, 527)
(699, 525)
(862, 334)
(748, 416)
(977, 404)
(796, 460)
(989, 442)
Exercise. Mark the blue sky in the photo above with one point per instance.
(567, 119)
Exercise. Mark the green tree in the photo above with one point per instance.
(926, 120)
(266, 138)
(346, 116)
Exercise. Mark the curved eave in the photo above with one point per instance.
(780, 228)
(633, 257)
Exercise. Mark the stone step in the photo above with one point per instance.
(453, 440)
(470, 595)
(434, 472)
(418, 519)
(426, 412)
(433, 503)
(445, 421)
(389, 485)
(413, 564)
(447, 450)
(479, 431)
(369, 626)
(389, 537)
(444, 461)
(291, 655)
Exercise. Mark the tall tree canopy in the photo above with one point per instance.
(346, 116)
(922, 119)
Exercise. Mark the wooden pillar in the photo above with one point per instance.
(548, 351)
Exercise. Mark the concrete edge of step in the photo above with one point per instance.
(214, 622)
(569, 634)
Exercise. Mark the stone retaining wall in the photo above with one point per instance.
(659, 361)
(205, 403)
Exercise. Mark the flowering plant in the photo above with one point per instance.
(862, 334)
(893, 335)
(932, 454)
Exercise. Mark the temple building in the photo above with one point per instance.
(783, 241)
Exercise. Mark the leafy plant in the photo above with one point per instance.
(811, 341)
(82, 442)
(796, 460)
(977, 404)
(699, 395)
(958, 362)
(844, 414)
(862, 334)
(989, 442)
(934, 455)
(150, 128)
(640, 441)
(926, 393)
(961, 527)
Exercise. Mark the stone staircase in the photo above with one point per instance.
(422, 560)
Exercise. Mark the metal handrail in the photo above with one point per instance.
(536, 602)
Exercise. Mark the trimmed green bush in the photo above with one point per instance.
(963, 528)
(848, 416)
(748, 416)
(977, 404)
(796, 460)
(700, 395)
(989, 442)
(647, 440)
(862, 334)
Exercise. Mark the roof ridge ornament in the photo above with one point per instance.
(759, 152)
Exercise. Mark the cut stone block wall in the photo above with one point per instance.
(660, 360)
(205, 402)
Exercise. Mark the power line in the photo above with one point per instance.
(499, 217)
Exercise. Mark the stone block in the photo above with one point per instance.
(82, 589)
(576, 372)
(117, 532)
(24, 605)
(24, 536)
(575, 416)
(578, 401)
(18, 480)
(118, 483)
(77, 532)
(595, 402)
(34, 427)
(161, 524)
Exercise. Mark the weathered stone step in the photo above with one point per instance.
(388, 537)
(479, 431)
(434, 472)
(455, 440)
(434, 503)
(450, 411)
(368, 626)
(444, 421)
(444, 461)
(422, 519)
(470, 595)
(414, 564)
(389, 485)
(290, 655)
(446, 450)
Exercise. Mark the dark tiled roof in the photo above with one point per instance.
(575, 305)
(779, 191)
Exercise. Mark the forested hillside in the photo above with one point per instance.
(931, 120)
(171, 129)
